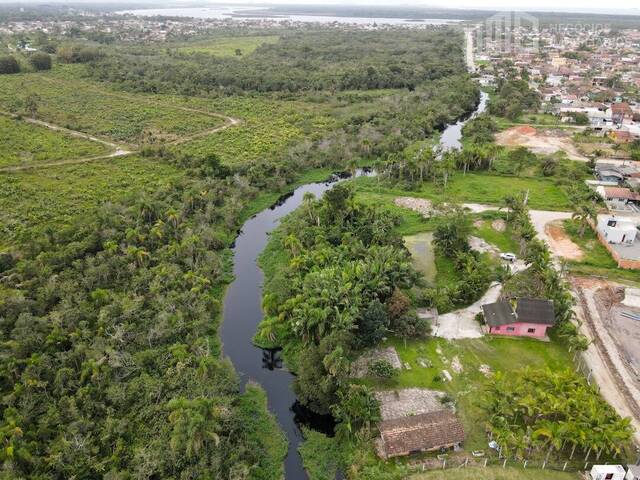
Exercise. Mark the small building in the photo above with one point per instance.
(618, 194)
(419, 433)
(617, 230)
(633, 472)
(607, 472)
(530, 317)
(610, 176)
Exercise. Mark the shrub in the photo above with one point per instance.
(9, 64)
(40, 61)
(382, 369)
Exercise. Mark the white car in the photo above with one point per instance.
(509, 257)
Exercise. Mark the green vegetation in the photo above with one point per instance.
(322, 456)
(468, 386)
(27, 144)
(596, 258)
(90, 108)
(497, 473)
(228, 46)
(309, 60)
(544, 194)
(553, 413)
(35, 202)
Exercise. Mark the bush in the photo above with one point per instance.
(9, 64)
(382, 369)
(40, 61)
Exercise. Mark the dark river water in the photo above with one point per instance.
(243, 313)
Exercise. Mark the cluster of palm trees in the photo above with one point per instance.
(537, 413)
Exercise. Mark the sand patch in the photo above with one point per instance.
(544, 142)
(560, 243)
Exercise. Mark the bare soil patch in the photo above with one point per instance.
(544, 142)
(560, 243)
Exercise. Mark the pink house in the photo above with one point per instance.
(525, 317)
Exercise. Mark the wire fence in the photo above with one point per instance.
(464, 461)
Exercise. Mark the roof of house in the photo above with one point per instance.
(620, 192)
(428, 431)
(634, 469)
(528, 310)
(499, 313)
(535, 310)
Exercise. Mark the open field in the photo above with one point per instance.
(544, 194)
(27, 144)
(227, 46)
(540, 141)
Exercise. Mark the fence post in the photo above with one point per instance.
(504, 464)
(485, 462)
(444, 463)
(466, 462)
(565, 466)
(544, 464)
(525, 463)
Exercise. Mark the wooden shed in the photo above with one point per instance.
(419, 433)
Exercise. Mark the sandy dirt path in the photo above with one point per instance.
(119, 150)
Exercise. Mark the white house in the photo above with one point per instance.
(633, 472)
(607, 472)
(617, 230)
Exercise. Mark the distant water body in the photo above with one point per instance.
(253, 13)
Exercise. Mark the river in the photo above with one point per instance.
(236, 13)
(243, 312)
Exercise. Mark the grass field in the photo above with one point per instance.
(495, 473)
(544, 194)
(53, 197)
(227, 46)
(24, 144)
(91, 108)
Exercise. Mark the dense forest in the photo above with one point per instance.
(321, 60)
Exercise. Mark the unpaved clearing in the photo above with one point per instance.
(544, 142)
(560, 244)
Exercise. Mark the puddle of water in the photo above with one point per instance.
(424, 259)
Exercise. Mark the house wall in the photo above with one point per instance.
(520, 329)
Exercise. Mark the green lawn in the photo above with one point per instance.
(227, 46)
(24, 143)
(500, 354)
(597, 259)
(505, 240)
(544, 194)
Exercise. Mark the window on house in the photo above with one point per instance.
(511, 329)
(608, 476)
(496, 328)
(531, 330)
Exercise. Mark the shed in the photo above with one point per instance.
(607, 472)
(419, 433)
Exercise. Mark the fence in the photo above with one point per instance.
(461, 462)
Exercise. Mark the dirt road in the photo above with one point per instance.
(119, 150)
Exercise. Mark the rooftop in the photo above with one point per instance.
(425, 432)
(528, 310)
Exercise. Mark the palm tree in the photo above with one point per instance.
(585, 214)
